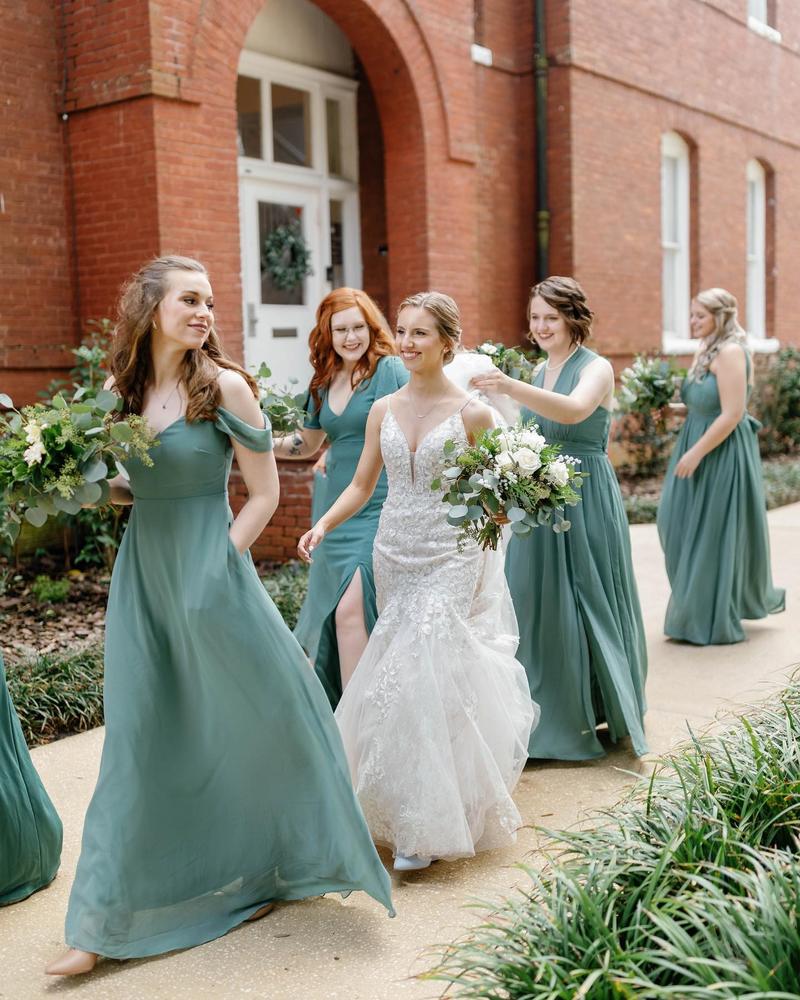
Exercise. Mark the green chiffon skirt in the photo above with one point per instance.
(30, 830)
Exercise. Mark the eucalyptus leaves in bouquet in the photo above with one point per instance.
(517, 362)
(285, 410)
(650, 383)
(58, 455)
(509, 474)
(644, 429)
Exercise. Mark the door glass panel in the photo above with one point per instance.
(291, 125)
(333, 123)
(337, 246)
(270, 217)
(248, 110)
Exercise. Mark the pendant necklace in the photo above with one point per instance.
(165, 404)
(421, 416)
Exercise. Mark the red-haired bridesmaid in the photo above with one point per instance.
(355, 363)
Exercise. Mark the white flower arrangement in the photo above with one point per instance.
(509, 474)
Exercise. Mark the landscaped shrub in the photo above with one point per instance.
(287, 586)
(55, 696)
(46, 590)
(776, 403)
(689, 888)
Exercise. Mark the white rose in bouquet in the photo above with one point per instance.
(527, 460)
(503, 461)
(488, 348)
(530, 439)
(558, 473)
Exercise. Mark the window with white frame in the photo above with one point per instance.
(761, 18)
(675, 263)
(756, 301)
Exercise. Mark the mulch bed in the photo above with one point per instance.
(30, 628)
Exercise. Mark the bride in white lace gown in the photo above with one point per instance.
(436, 718)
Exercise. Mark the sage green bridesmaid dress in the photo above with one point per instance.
(582, 640)
(347, 550)
(713, 528)
(30, 830)
(223, 782)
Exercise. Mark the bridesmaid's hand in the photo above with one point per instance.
(321, 463)
(309, 542)
(687, 465)
(493, 381)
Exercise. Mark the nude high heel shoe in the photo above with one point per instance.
(72, 963)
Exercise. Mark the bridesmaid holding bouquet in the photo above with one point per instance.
(223, 783)
(581, 634)
(712, 518)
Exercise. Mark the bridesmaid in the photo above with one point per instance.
(712, 518)
(581, 634)
(223, 784)
(355, 362)
(30, 830)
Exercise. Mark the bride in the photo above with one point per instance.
(436, 718)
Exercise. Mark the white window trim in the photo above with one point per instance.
(675, 341)
(321, 85)
(765, 30)
(756, 261)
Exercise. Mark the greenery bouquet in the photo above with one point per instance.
(516, 362)
(509, 474)
(57, 455)
(285, 410)
(648, 384)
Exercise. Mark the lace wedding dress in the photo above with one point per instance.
(437, 716)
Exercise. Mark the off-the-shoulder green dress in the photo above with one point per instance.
(30, 830)
(223, 782)
(713, 528)
(582, 638)
(348, 549)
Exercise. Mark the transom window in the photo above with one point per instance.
(296, 120)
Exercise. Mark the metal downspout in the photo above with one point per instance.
(542, 205)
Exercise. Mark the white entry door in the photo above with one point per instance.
(279, 320)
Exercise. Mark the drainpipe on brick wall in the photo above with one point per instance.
(542, 205)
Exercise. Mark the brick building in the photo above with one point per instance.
(649, 147)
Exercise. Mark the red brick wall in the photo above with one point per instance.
(621, 98)
(37, 312)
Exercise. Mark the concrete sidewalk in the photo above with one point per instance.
(348, 949)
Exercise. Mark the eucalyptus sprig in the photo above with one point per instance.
(57, 456)
(284, 409)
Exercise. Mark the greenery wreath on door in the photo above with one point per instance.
(286, 257)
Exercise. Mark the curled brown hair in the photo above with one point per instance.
(566, 296)
(445, 313)
(324, 358)
(130, 360)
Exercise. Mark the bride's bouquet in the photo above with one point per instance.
(58, 455)
(509, 475)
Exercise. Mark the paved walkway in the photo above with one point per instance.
(329, 948)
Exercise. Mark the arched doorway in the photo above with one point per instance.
(298, 166)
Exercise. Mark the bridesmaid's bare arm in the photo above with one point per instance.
(360, 489)
(595, 385)
(730, 368)
(259, 470)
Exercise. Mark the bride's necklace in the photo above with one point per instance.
(421, 416)
(555, 368)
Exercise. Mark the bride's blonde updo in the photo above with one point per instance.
(724, 308)
(445, 314)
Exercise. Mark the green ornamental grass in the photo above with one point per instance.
(688, 889)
